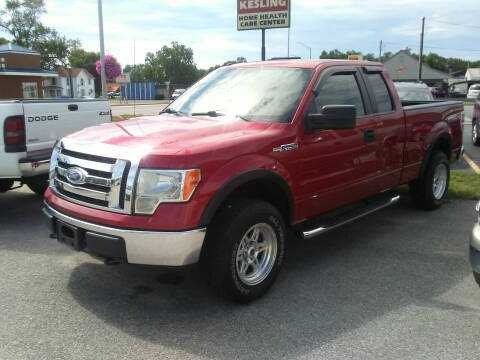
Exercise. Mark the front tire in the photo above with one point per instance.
(475, 135)
(428, 192)
(5, 185)
(38, 184)
(245, 249)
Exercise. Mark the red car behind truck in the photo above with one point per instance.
(247, 153)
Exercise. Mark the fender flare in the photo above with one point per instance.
(239, 180)
(444, 135)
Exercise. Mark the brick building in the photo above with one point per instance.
(20, 74)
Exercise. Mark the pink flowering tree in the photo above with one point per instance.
(112, 67)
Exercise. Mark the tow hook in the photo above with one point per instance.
(112, 262)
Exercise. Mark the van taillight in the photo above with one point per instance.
(14, 134)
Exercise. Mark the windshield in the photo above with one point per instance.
(262, 94)
(475, 87)
(415, 94)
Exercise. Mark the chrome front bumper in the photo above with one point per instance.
(142, 247)
(475, 248)
(460, 153)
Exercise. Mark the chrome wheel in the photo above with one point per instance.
(474, 132)
(256, 254)
(440, 178)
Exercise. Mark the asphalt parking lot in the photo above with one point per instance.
(394, 285)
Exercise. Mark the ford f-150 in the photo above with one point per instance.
(244, 156)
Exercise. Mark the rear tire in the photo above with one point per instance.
(428, 192)
(38, 184)
(5, 185)
(475, 134)
(245, 248)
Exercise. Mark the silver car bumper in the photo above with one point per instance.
(141, 247)
(34, 168)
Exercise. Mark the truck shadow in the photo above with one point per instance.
(328, 286)
(22, 226)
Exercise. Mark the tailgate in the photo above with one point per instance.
(48, 121)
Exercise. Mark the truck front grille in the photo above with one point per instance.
(95, 181)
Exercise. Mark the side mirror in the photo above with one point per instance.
(332, 117)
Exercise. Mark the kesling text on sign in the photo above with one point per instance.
(263, 14)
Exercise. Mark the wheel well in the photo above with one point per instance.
(443, 144)
(268, 191)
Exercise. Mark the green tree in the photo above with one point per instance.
(171, 63)
(21, 21)
(3, 41)
(137, 73)
(178, 64)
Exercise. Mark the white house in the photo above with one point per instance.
(82, 81)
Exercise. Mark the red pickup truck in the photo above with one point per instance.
(244, 156)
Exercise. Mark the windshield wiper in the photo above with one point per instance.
(244, 117)
(212, 113)
(170, 111)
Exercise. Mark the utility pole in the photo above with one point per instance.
(380, 52)
(288, 43)
(102, 49)
(263, 44)
(420, 59)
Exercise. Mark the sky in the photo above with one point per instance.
(209, 27)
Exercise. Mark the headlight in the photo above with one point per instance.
(164, 186)
(54, 161)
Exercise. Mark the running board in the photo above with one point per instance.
(351, 216)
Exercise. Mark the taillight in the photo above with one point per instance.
(14, 134)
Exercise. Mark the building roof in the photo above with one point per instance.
(13, 48)
(404, 67)
(63, 72)
(473, 74)
(27, 72)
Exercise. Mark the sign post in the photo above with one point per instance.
(263, 14)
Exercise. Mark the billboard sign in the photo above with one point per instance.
(123, 78)
(263, 14)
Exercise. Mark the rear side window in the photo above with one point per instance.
(380, 93)
(340, 89)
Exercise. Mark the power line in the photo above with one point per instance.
(432, 47)
(455, 24)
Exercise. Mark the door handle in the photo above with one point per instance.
(73, 107)
(369, 135)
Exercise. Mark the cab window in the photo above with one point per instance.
(381, 95)
(340, 89)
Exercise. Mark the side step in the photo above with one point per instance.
(350, 216)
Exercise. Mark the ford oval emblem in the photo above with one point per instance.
(76, 175)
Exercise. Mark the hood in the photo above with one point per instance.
(170, 134)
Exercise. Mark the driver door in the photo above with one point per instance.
(338, 167)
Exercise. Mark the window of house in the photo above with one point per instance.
(68, 81)
(89, 81)
(30, 90)
(82, 82)
(380, 93)
(340, 89)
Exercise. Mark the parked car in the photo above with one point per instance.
(473, 91)
(176, 93)
(438, 92)
(475, 247)
(312, 145)
(113, 94)
(410, 91)
(29, 130)
(476, 122)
